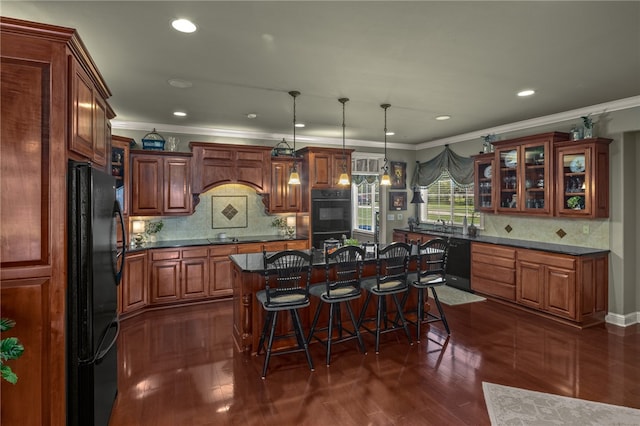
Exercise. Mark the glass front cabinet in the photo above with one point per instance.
(484, 193)
(582, 178)
(524, 175)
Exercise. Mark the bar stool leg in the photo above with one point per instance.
(297, 324)
(420, 312)
(378, 321)
(314, 323)
(330, 332)
(356, 328)
(404, 322)
(265, 328)
(268, 354)
(440, 311)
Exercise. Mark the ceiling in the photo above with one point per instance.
(463, 59)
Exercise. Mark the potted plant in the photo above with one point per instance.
(153, 228)
(280, 222)
(575, 202)
(587, 122)
(10, 348)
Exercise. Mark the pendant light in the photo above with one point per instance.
(344, 176)
(386, 179)
(294, 176)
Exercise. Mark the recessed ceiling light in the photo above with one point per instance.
(389, 133)
(443, 117)
(299, 124)
(252, 115)
(181, 84)
(179, 114)
(527, 92)
(183, 25)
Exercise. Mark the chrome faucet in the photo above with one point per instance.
(444, 225)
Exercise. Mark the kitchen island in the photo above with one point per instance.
(248, 315)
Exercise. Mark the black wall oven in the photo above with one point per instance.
(330, 215)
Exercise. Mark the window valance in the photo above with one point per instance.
(459, 168)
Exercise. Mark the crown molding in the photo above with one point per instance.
(621, 104)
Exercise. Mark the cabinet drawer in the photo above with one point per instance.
(165, 254)
(250, 248)
(493, 260)
(549, 259)
(217, 154)
(223, 250)
(492, 287)
(493, 272)
(195, 252)
(493, 250)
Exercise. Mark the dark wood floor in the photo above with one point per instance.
(179, 367)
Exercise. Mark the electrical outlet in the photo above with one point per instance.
(391, 217)
(585, 229)
(399, 216)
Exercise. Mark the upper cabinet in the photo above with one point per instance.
(90, 135)
(283, 198)
(484, 193)
(323, 166)
(524, 174)
(217, 164)
(161, 184)
(582, 178)
(120, 147)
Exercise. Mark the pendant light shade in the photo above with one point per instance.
(385, 180)
(294, 176)
(344, 176)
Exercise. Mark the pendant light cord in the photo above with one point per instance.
(343, 101)
(385, 106)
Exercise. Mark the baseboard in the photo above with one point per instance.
(623, 320)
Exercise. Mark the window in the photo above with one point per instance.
(365, 169)
(445, 200)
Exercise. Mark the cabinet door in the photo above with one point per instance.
(102, 132)
(252, 168)
(340, 164)
(297, 245)
(399, 236)
(176, 186)
(484, 193)
(220, 267)
(165, 281)
(283, 197)
(82, 115)
(530, 279)
(560, 292)
(195, 277)
(320, 170)
(146, 186)
(134, 282)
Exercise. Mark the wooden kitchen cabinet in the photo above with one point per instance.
(322, 166)
(134, 288)
(90, 116)
(218, 164)
(178, 274)
(161, 184)
(484, 193)
(194, 273)
(38, 138)
(582, 178)
(220, 267)
(284, 198)
(493, 270)
(524, 175)
(547, 282)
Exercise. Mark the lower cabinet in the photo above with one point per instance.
(220, 270)
(560, 286)
(182, 275)
(133, 289)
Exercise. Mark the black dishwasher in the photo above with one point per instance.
(459, 264)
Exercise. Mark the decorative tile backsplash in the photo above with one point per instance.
(545, 230)
(200, 224)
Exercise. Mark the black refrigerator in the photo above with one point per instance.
(94, 272)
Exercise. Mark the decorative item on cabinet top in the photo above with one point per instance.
(282, 149)
(153, 141)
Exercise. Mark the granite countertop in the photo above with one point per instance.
(211, 241)
(533, 245)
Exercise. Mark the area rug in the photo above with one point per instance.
(513, 406)
(452, 296)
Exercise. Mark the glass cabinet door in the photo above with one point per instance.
(573, 165)
(484, 191)
(507, 180)
(536, 179)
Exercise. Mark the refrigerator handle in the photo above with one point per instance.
(100, 352)
(122, 253)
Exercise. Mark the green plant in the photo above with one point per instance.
(574, 202)
(351, 242)
(279, 222)
(154, 227)
(587, 121)
(10, 348)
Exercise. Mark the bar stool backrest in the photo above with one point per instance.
(392, 263)
(343, 271)
(287, 275)
(432, 259)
